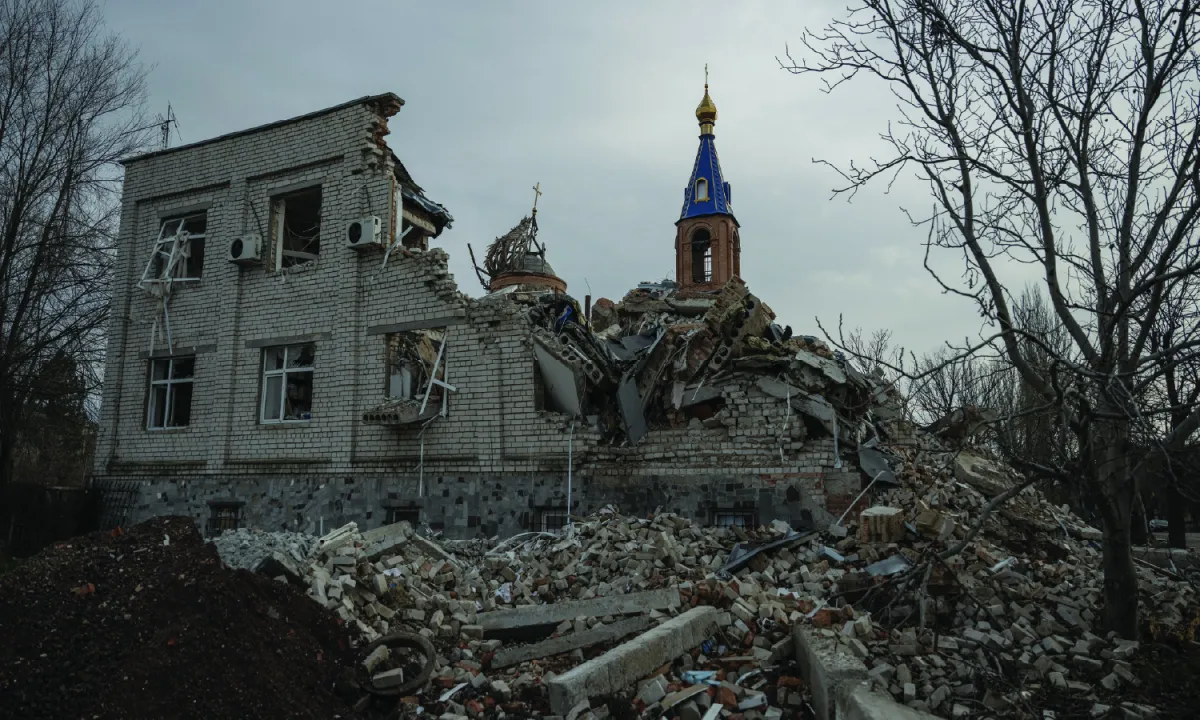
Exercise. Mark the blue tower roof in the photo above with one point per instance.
(707, 193)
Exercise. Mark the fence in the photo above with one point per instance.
(40, 515)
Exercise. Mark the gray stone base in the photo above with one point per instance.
(465, 505)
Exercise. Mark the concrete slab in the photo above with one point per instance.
(629, 662)
(838, 683)
(554, 646)
(595, 607)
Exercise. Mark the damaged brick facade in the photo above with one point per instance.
(494, 464)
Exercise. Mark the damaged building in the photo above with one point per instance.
(289, 351)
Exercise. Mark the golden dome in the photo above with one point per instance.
(706, 111)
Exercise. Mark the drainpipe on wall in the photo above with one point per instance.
(570, 447)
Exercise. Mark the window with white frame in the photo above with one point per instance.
(190, 263)
(287, 384)
(296, 227)
(169, 404)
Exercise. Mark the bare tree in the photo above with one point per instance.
(71, 99)
(1065, 134)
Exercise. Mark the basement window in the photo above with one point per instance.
(552, 519)
(734, 518)
(189, 261)
(287, 384)
(296, 227)
(169, 401)
(410, 515)
(701, 256)
(223, 516)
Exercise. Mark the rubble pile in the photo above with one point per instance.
(146, 623)
(948, 620)
(968, 633)
(505, 618)
(659, 357)
(247, 548)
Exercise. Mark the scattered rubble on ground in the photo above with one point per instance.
(247, 548)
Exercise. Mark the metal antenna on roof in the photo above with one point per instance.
(165, 126)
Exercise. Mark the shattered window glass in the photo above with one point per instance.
(296, 227)
(189, 265)
(169, 404)
(287, 384)
(412, 356)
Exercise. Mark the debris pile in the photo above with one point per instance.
(958, 606)
(665, 357)
(505, 618)
(247, 548)
(965, 624)
(146, 623)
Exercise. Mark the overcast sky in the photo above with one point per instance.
(596, 102)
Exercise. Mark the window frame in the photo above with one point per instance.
(702, 184)
(278, 209)
(552, 514)
(400, 513)
(282, 373)
(219, 515)
(702, 237)
(202, 237)
(749, 519)
(170, 383)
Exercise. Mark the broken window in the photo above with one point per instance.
(223, 516)
(169, 404)
(552, 519)
(701, 190)
(734, 518)
(410, 515)
(287, 384)
(701, 256)
(296, 227)
(189, 263)
(416, 364)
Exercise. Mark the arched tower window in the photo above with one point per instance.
(701, 190)
(701, 255)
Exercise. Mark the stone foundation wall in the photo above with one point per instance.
(468, 505)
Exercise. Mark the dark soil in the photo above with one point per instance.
(119, 625)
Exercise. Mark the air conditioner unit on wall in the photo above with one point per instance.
(246, 250)
(364, 233)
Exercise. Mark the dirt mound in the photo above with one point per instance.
(148, 624)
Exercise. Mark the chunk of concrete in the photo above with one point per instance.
(554, 646)
(553, 613)
(633, 660)
(839, 683)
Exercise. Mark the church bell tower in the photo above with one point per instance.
(707, 245)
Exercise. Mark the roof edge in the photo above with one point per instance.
(259, 128)
(718, 213)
